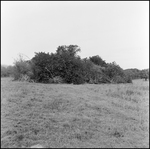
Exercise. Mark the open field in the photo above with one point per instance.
(85, 116)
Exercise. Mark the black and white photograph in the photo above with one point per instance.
(74, 74)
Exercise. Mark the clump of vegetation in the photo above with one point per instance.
(66, 66)
(6, 71)
(56, 79)
(22, 70)
(137, 74)
(97, 60)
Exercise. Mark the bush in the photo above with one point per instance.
(113, 70)
(97, 60)
(43, 67)
(128, 79)
(58, 79)
(118, 79)
(78, 80)
(65, 66)
(22, 70)
(24, 77)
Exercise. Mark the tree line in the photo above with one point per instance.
(66, 66)
(134, 73)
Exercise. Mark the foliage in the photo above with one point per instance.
(22, 68)
(6, 71)
(128, 79)
(118, 79)
(70, 50)
(97, 60)
(113, 70)
(137, 74)
(144, 74)
(116, 74)
(58, 79)
(133, 73)
(64, 63)
(65, 66)
(41, 67)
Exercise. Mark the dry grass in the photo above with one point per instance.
(85, 116)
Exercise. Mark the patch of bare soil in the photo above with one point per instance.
(85, 116)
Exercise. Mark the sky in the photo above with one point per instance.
(116, 31)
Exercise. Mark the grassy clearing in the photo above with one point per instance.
(62, 115)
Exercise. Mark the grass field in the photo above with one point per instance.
(85, 116)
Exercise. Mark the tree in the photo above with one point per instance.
(144, 74)
(70, 50)
(42, 67)
(65, 63)
(97, 60)
(116, 73)
(137, 74)
(71, 64)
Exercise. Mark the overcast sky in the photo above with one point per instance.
(116, 31)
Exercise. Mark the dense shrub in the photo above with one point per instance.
(113, 70)
(41, 67)
(118, 79)
(64, 63)
(65, 66)
(128, 79)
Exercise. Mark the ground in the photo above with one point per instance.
(85, 116)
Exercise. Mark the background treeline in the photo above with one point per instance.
(6, 71)
(137, 74)
(65, 66)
